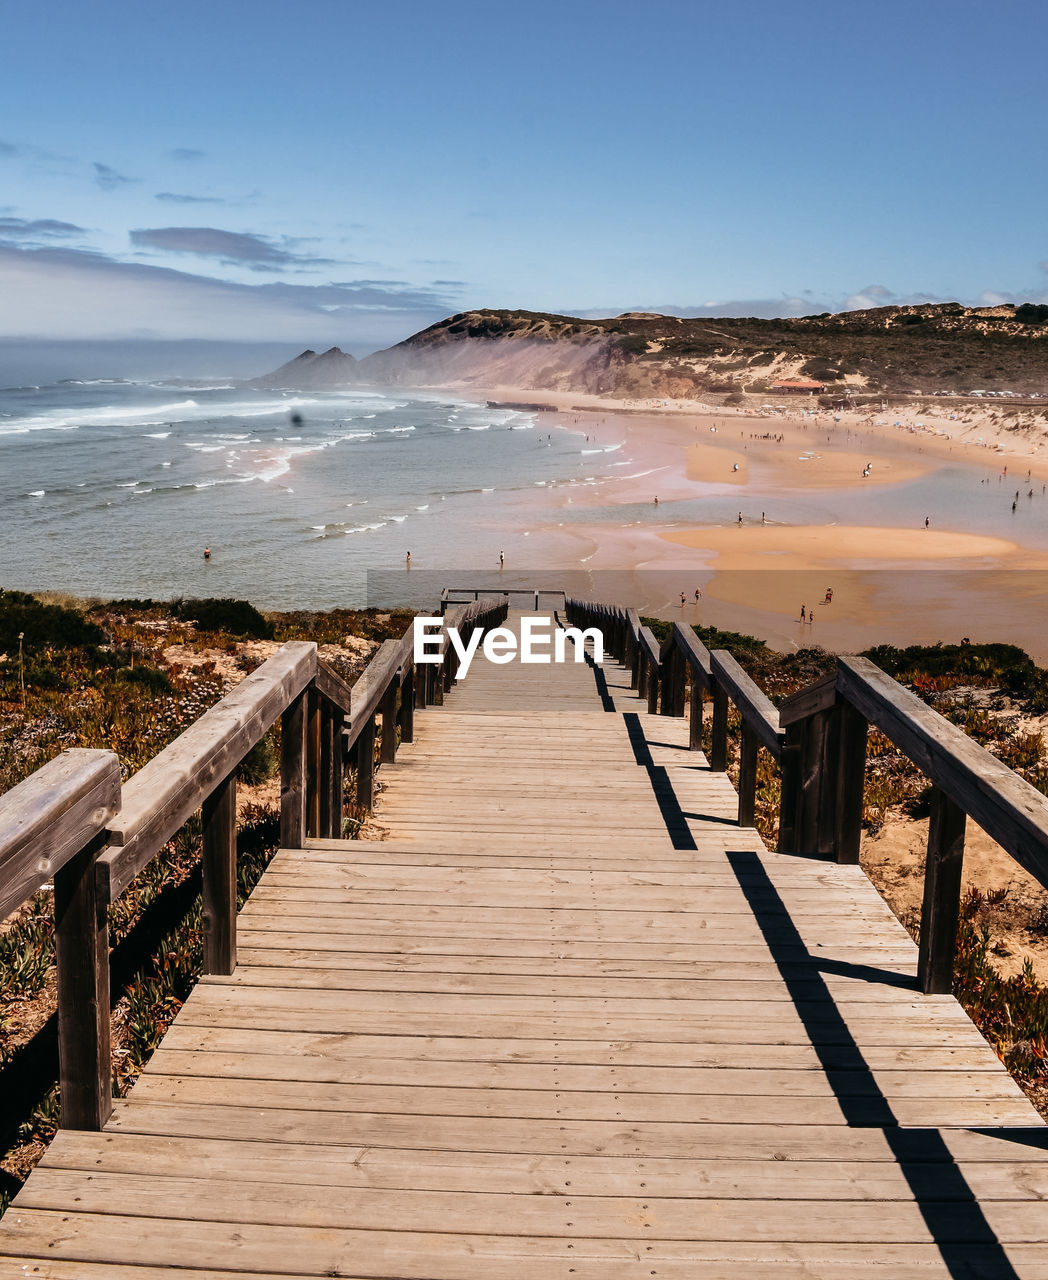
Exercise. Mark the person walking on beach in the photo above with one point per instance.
(407, 560)
(802, 613)
(502, 559)
(927, 521)
(682, 598)
(740, 518)
(698, 595)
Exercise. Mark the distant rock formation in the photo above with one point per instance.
(312, 372)
(913, 350)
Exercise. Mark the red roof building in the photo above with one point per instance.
(799, 384)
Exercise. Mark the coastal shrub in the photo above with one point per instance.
(237, 617)
(260, 763)
(42, 624)
(1032, 313)
(145, 677)
(1003, 665)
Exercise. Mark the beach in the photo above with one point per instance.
(766, 513)
(309, 500)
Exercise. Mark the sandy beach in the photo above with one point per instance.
(827, 500)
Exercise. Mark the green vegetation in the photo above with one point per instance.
(38, 624)
(237, 617)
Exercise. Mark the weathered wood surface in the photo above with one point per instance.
(569, 1020)
(51, 816)
(174, 784)
(753, 703)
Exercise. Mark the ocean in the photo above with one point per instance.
(114, 488)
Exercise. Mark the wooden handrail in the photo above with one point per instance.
(72, 821)
(751, 702)
(1006, 806)
(50, 817)
(172, 786)
(826, 727)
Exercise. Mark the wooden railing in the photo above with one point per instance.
(681, 671)
(819, 738)
(71, 822)
(552, 597)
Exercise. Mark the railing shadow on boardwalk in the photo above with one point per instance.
(950, 1210)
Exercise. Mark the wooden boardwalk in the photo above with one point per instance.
(569, 1020)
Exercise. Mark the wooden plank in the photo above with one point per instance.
(820, 696)
(331, 686)
(50, 817)
(694, 652)
(394, 1168)
(401, 1254)
(174, 784)
(675, 1081)
(498, 1214)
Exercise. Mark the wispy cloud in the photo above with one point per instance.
(186, 154)
(108, 178)
(176, 197)
(232, 248)
(37, 229)
(7, 148)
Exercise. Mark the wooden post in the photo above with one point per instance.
(313, 766)
(942, 895)
(407, 705)
(827, 796)
(389, 722)
(747, 776)
(325, 780)
(219, 867)
(331, 771)
(851, 776)
(790, 787)
(82, 954)
(669, 683)
(695, 720)
(293, 774)
(366, 765)
(813, 735)
(653, 686)
(719, 748)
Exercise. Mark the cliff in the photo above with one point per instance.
(899, 350)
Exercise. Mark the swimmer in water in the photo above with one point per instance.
(207, 553)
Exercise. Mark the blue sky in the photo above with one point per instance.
(340, 172)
